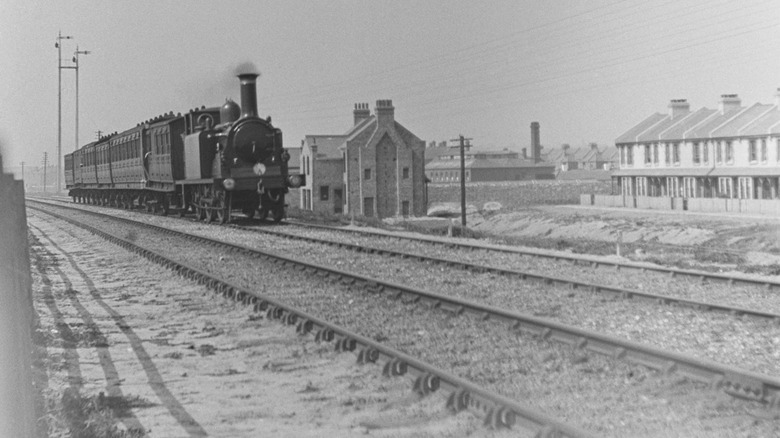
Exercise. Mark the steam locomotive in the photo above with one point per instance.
(209, 161)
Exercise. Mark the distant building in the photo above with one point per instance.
(591, 157)
(375, 169)
(480, 166)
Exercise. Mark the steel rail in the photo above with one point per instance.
(622, 292)
(528, 275)
(593, 261)
(734, 381)
(499, 411)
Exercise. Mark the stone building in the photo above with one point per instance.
(375, 169)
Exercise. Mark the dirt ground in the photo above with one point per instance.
(756, 238)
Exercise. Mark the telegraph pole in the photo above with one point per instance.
(462, 178)
(76, 62)
(45, 164)
(98, 133)
(58, 45)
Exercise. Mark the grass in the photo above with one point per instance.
(75, 415)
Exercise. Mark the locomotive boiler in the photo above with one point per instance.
(209, 161)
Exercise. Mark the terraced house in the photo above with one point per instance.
(731, 152)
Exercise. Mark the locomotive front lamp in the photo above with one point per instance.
(259, 168)
(229, 183)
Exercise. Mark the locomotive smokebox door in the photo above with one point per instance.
(199, 151)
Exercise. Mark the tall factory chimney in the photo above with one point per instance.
(536, 147)
(248, 94)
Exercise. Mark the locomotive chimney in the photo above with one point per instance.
(248, 94)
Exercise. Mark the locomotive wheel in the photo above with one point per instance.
(222, 208)
(278, 213)
(163, 207)
(262, 213)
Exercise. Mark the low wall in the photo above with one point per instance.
(17, 413)
(653, 203)
(707, 205)
(710, 205)
(609, 201)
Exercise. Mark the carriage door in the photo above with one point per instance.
(146, 152)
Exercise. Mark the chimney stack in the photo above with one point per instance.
(729, 102)
(679, 108)
(536, 148)
(248, 94)
(385, 113)
(361, 112)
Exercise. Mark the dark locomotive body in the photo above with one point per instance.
(210, 161)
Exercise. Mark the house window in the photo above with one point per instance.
(366, 174)
(696, 153)
(705, 153)
(630, 155)
(762, 142)
(725, 187)
(730, 152)
(719, 152)
(405, 208)
(324, 193)
(405, 173)
(745, 187)
(648, 156)
(689, 187)
(667, 155)
(673, 186)
(655, 153)
(676, 153)
(752, 151)
(641, 186)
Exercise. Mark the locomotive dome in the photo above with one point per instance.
(229, 112)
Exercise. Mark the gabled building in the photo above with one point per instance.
(729, 152)
(375, 169)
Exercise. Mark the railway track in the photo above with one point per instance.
(498, 411)
(527, 275)
(733, 380)
(579, 260)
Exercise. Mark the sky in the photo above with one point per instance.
(587, 71)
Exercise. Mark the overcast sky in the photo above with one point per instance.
(585, 70)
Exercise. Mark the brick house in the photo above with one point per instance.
(375, 169)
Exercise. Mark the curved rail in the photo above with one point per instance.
(734, 381)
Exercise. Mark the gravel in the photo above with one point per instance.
(610, 398)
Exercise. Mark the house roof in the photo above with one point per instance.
(768, 123)
(704, 123)
(327, 145)
(677, 131)
(631, 135)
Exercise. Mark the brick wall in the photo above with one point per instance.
(518, 194)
